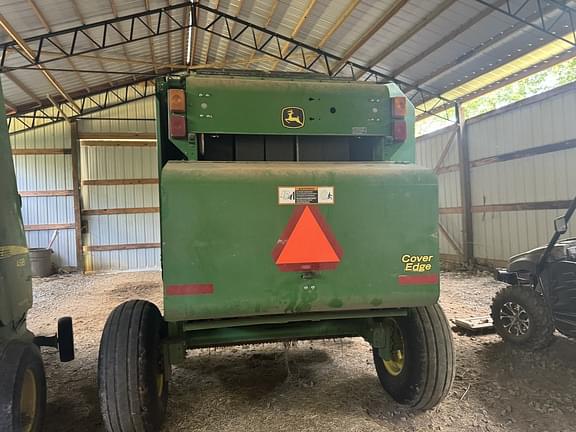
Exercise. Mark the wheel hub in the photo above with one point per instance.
(395, 364)
(28, 401)
(515, 319)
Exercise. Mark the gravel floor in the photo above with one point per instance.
(313, 386)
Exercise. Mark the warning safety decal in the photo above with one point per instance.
(298, 195)
(307, 243)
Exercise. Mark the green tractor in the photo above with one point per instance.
(291, 209)
(22, 379)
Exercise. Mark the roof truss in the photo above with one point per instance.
(148, 24)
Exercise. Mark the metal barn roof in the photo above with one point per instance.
(54, 53)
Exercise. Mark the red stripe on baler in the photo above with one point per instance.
(429, 279)
(189, 289)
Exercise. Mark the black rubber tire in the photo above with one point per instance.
(128, 363)
(16, 358)
(540, 332)
(65, 339)
(429, 369)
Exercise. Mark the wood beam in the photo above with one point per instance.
(75, 146)
(296, 30)
(115, 247)
(46, 193)
(49, 227)
(23, 87)
(240, 5)
(48, 28)
(133, 60)
(450, 239)
(40, 151)
(333, 29)
(150, 42)
(446, 39)
(114, 9)
(343, 17)
(266, 24)
(374, 28)
(29, 54)
(83, 22)
(58, 108)
(120, 182)
(10, 107)
(117, 135)
(169, 36)
(192, 38)
(120, 210)
(479, 49)
(438, 10)
(210, 38)
(465, 186)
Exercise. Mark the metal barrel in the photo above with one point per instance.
(41, 262)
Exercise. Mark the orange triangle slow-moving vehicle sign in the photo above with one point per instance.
(307, 243)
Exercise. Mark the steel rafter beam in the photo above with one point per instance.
(416, 28)
(297, 28)
(89, 38)
(99, 100)
(446, 39)
(97, 36)
(310, 58)
(561, 27)
(374, 28)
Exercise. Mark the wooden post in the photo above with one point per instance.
(465, 187)
(75, 145)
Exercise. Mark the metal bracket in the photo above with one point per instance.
(46, 341)
(381, 338)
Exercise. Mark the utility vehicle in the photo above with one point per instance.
(541, 292)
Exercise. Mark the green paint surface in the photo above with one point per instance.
(15, 273)
(221, 221)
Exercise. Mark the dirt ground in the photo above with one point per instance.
(314, 386)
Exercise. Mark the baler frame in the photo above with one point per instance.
(396, 314)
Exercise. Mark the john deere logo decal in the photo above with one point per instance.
(292, 117)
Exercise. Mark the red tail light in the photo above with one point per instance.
(399, 132)
(177, 126)
(177, 113)
(398, 106)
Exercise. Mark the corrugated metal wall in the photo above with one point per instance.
(520, 156)
(119, 175)
(439, 151)
(522, 160)
(522, 176)
(42, 158)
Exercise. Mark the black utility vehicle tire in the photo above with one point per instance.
(22, 387)
(428, 371)
(132, 384)
(540, 332)
(65, 339)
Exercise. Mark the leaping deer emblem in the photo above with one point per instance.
(293, 117)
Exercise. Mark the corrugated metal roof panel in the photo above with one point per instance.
(475, 51)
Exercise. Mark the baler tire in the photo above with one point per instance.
(429, 360)
(132, 383)
(540, 332)
(22, 380)
(65, 339)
